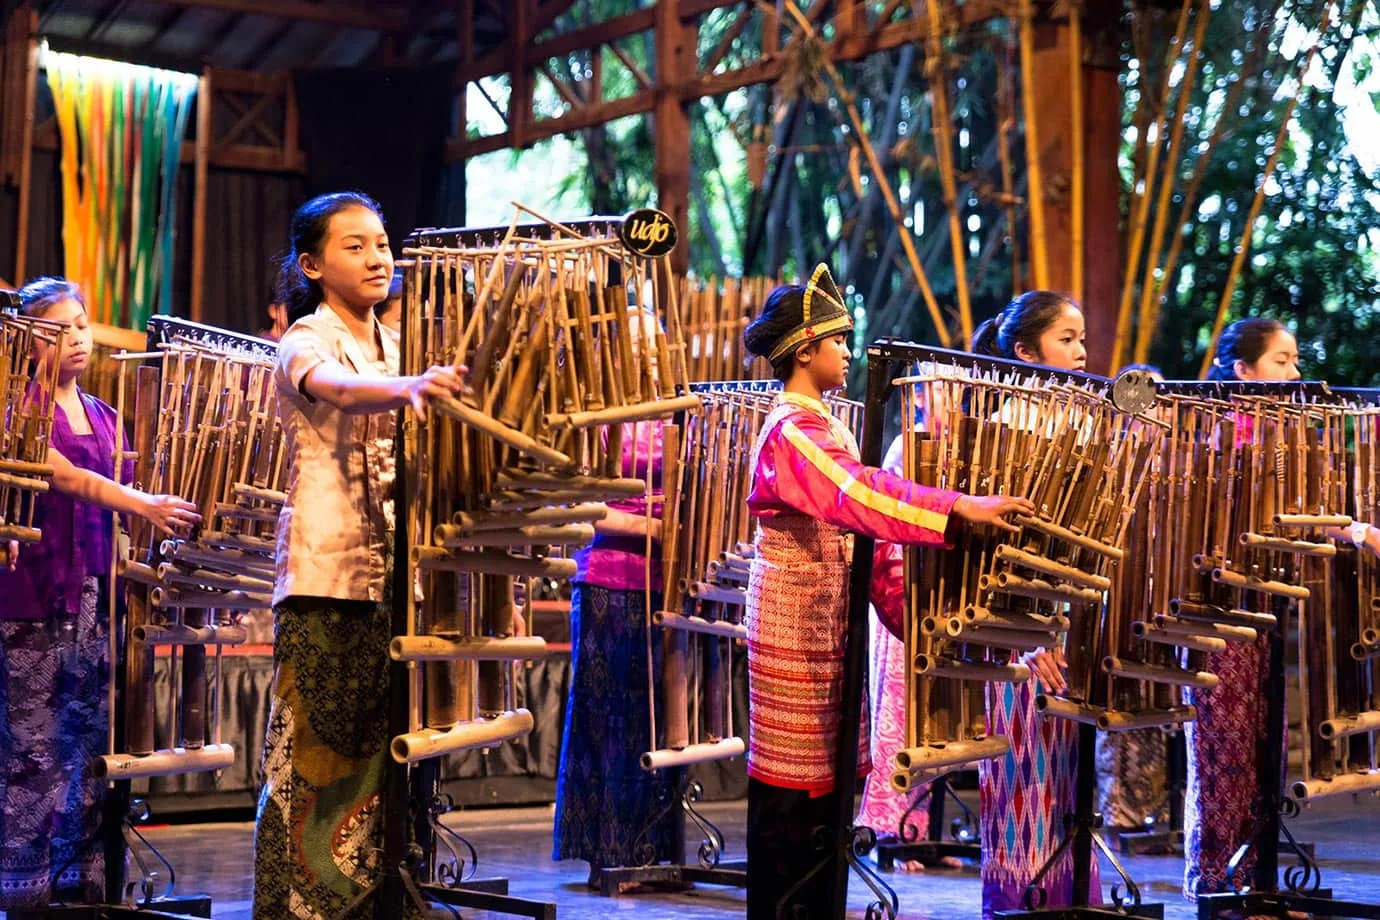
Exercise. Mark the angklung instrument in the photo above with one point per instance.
(26, 414)
(568, 337)
(206, 430)
(715, 312)
(988, 426)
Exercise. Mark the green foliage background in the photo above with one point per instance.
(1314, 261)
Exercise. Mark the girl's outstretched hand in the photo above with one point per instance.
(992, 509)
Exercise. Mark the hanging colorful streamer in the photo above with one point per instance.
(121, 127)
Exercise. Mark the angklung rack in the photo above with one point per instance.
(1285, 481)
(570, 339)
(888, 360)
(205, 429)
(706, 553)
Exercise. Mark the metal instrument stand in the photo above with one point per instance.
(907, 845)
(710, 868)
(1302, 891)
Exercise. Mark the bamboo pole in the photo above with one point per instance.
(1039, 261)
(1079, 139)
(26, 149)
(1141, 200)
(203, 155)
(1145, 329)
(941, 125)
(888, 195)
(1244, 246)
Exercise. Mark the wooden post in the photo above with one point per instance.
(203, 153)
(23, 33)
(1101, 120)
(675, 65)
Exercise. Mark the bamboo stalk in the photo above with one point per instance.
(1141, 199)
(1039, 261)
(883, 183)
(941, 125)
(1145, 330)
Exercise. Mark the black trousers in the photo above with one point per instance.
(785, 848)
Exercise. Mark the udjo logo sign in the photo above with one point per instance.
(648, 232)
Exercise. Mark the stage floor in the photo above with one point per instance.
(216, 859)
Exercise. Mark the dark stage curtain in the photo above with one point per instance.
(381, 132)
(247, 215)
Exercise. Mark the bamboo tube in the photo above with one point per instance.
(175, 762)
(413, 747)
(515, 439)
(1014, 639)
(21, 534)
(1252, 583)
(219, 600)
(1297, 547)
(696, 624)
(705, 591)
(478, 521)
(1161, 636)
(950, 754)
(660, 408)
(704, 752)
(451, 537)
(1136, 670)
(1040, 590)
(1345, 726)
(181, 634)
(675, 689)
(498, 563)
(138, 676)
(1049, 567)
(1312, 520)
(171, 575)
(1048, 705)
(1077, 178)
(233, 561)
(466, 648)
(971, 670)
(1169, 624)
(1244, 245)
(535, 481)
(23, 482)
(1345, 784)
(1049, 528)
(1130, 721)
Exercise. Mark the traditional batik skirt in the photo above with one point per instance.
(53, 719)
(1026, 794)
(320, 821)
(609, 811)
(1223, 801)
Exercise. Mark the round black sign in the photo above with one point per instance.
(648, 232)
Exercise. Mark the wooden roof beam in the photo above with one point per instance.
(380, 18)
